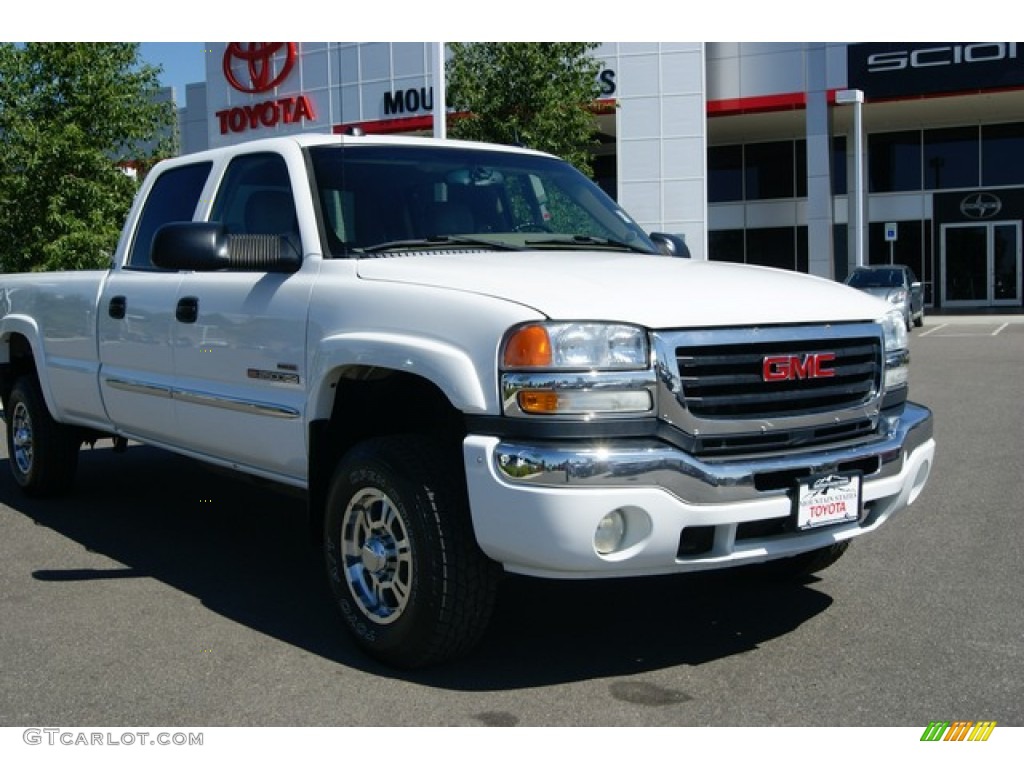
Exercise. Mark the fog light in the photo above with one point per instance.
(610, 532)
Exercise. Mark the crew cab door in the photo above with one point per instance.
(136, 310)
(239, 336)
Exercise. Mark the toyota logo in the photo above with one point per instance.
(980, 205)
(261, 64)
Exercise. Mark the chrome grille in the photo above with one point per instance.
(713, 390)
(722, 381)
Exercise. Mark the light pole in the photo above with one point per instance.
(440, 96)
(856, 98)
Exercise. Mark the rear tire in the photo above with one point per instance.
(404, 567)
(43, 453)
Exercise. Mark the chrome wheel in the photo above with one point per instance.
(377, 556)
(43, 453)
(21, 438)
(412, 586)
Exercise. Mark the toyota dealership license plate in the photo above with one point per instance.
(828, 500)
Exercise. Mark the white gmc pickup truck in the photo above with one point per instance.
(471, 361)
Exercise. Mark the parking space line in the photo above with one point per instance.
(965, 330)
(933, 330)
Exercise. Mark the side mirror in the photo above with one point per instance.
(670, 245)
(206, 246)
(197, 246)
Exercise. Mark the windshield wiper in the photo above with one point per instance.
(438, 241)
(590, 240)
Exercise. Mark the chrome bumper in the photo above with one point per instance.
(652, 463)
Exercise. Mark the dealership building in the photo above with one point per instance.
(806, 156)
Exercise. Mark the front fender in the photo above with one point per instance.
(448, 367)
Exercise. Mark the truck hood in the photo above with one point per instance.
(653, 291)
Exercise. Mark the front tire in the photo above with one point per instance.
(43, 453)
(406, 573)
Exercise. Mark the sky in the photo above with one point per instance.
(182, 63)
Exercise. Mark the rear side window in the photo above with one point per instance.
(174, 197)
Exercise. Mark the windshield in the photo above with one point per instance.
(379, 198)
(876, 278)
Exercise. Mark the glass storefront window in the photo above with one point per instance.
(725, 174)
(780, 247)
(951, 158)
(840, 252)
(772, 247)
(802, 250)
(839, 165)
(800, 158)
(894, 161)
(1002, 154)
(768, 170)
(726, 245)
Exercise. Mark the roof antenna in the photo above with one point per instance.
(354, 130)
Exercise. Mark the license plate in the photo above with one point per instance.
(828, 500)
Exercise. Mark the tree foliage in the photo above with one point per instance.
(537, 95)
(72, 115)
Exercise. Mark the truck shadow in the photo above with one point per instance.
(546, 631)
(245, 553)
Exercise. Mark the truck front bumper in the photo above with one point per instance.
(536, 506)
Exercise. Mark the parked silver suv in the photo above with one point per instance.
(897, 284)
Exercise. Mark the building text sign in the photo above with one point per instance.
(885, 70)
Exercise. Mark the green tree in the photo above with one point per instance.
(538, 95)
(72, 117)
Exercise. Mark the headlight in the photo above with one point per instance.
(576, 346)
(897, 296)
(897, 353)
(577, 370)
(894, 330)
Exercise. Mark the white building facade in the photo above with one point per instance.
(748, 150)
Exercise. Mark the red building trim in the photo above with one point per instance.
(425, 122)
(753, 104)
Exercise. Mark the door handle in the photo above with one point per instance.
(187, 310)
(117, 307)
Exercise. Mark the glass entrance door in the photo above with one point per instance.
(981, 264)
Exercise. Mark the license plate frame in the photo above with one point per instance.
(828, 499)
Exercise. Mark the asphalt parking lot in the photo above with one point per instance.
(163, 593)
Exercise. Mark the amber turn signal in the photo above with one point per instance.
(538, 401)
(528, 347)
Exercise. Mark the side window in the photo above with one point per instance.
(174, 197)
(255, 198)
